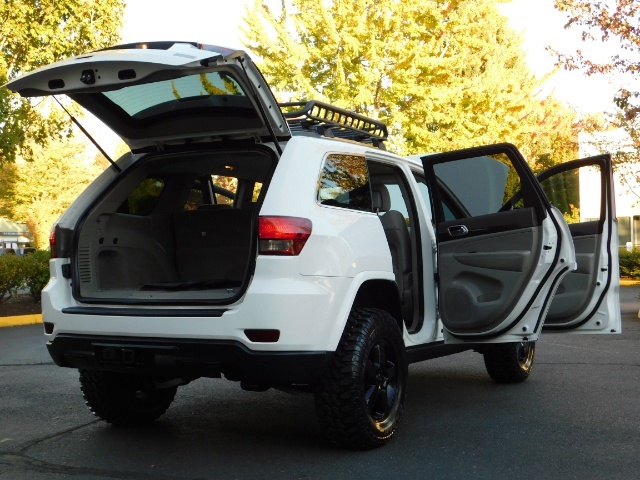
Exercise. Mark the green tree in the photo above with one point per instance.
(441, 74)
(615, 23)
(39, 191)
(35, 33)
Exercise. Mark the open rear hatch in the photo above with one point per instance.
(179, 225)
(162, 93)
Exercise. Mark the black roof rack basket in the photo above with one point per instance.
(330, 121)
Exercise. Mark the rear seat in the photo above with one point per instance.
(213, 245)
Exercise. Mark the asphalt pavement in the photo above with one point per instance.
(577, 416)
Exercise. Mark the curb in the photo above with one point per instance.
(20, 320)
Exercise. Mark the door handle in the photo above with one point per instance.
(457, 230)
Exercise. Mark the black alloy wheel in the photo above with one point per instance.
(510, 362)
(360, 399)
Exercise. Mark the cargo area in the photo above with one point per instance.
(174, 228)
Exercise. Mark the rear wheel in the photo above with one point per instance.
(361, 397)
(124, 399)
(510, 362)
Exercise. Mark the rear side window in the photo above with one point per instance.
(344, 182)
(225, 189)
(196, 196)
(144, 198)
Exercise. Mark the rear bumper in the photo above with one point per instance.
(187, 358)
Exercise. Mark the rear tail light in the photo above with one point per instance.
(283, 235)
(52, 241)
(60, 242)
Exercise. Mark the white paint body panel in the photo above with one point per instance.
(308, 297)
(278, 298)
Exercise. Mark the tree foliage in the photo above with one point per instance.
(35, 33)
(441, 74)
(605, 21)
(39, 191)
(615, 23)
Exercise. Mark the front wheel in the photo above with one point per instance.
(360, 399)
(124, 399)
(510, 362)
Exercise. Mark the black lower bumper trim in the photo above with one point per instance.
(144, 312)
(187, 358)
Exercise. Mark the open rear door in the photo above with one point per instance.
(502, 248)
(587, 300)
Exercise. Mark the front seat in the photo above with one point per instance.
(397, 233)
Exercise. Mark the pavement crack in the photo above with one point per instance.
(37, 441)
(20, 459)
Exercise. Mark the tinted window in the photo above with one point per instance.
(391, 181)
(196, 196)
(344, 182)
(477, 186)
(224, 189)
(449, 210)
(424, 192)
(564, 192)
(144, 197)
(257, 188)
(149, 99)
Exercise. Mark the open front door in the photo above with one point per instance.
(502, 248)
(587, 300)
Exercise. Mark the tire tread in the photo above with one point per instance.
(501, 362)
(105, 396)
(338, 400)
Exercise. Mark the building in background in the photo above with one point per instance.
(626, 185)
(14, 237)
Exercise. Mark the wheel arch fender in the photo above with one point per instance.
(370, 289)
(382, 294)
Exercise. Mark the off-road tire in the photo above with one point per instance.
(360, 399)
(124, 399)
(510, 362)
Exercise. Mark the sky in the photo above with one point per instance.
(217, 22)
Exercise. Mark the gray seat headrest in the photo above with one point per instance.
(381, 198)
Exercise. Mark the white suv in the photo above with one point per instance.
(290, 250)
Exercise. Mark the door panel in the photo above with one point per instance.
(502, 248)
(587, 299)
(483, 277)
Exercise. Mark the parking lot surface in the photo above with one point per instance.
(576, 417)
